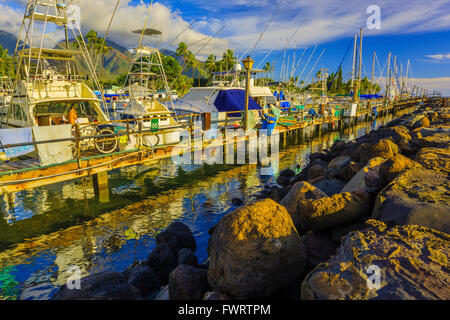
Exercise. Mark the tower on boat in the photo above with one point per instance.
(48, 83)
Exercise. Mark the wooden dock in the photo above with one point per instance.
(27, 173)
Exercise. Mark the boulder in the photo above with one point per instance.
(400, 135)
(187, 257)
(279, 193)
(145, 279)
(367, 179)
(108, 285)
(319, 248)
(316, 171)
(391, 168)
(188, 283)
(419, 197)
(300, 191)
(436, 140)
(437, 159)
(331, 211)
(330, 186)
(341, 231)
(254, 251)
(335, 166)
(163, 261)
(237, 202)
(401, 263)
(178, 236)
(349, 171)
(215, 296)
(385, 148)
(163, 294)
(285, 177)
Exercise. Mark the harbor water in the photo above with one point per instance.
(46, 231)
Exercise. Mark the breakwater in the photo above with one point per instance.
(308, 143)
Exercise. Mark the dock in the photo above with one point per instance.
(27, 173)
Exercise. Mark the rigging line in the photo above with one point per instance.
(145, 25)
(300, 60)
(184, 66)
(267, 27)
(340, 65)
(267, 55)
(185, 29)
(107, 32)
(318, 59)
(312, 53)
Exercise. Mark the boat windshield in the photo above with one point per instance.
(83, 108)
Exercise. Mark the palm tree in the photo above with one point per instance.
(5, 61)
(211, 63)
(182, 51)
(101, 49)
(229, 59)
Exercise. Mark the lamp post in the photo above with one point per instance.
(248, 65)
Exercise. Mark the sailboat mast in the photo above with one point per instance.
(354, 62)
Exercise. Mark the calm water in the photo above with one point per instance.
(45, 231)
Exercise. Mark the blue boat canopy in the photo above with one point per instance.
(233, 100)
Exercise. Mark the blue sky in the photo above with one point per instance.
(417, 30)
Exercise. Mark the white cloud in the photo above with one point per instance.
(95, 15)
(439, 57)
(129, 18)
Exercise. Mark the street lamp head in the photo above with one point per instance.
(248, 63)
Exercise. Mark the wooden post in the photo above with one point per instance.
(101, 187)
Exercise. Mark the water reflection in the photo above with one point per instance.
(45, 231)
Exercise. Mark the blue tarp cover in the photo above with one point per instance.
(234, 100)
(285, 105)
(16, 136)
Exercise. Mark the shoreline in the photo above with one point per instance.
(173, 260)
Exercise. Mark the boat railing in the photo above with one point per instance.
(136, 127)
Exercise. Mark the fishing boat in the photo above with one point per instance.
(47, 84)
(141, 101)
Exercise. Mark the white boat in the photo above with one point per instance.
(47, 85)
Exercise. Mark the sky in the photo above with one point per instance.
(417, 30)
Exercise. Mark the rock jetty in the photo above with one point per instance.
(366, 219)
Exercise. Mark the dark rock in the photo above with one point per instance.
(319, 247)
(417, 197)
(187, 257)
(106, 285)
(367, 179)
(178, 236)
(163, 294)
(341, 231)
(188, 283)
(255, 251)
(237, 202)
(163, 261)
(316, 171)
(349, 171)
(215, 296)
(336, 165)
(279, 193)
(412, 264)
(145, 279)
(285, 177)
(330, 186)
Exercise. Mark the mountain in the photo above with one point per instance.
(8, 41)
(115, 63)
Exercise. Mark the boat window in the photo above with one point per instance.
(83, 108)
